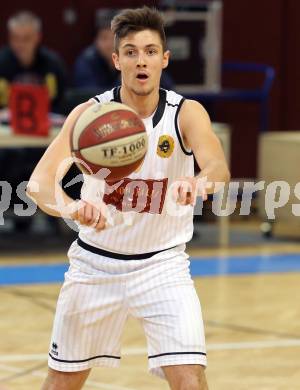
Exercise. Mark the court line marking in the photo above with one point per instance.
(39, 374)
(204, 267)
(255, 344)
(23, 358)
(142, 351)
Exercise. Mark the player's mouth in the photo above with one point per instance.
(142, 77)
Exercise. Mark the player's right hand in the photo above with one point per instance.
(89, 215)
(186, 190)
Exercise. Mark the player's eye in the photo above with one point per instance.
(151, 52)
(130, 53)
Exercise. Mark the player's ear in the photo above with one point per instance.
(115, 59)
(166, 57)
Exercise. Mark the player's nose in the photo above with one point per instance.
(141, 62)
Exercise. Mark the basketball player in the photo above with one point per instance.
(140, 268)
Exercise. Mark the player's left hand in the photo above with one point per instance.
(187, 189)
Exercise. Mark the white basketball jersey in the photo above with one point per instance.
(144, 216)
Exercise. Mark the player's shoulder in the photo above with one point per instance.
(192, 113)
(173, 99)
(72, 118)
(185, 107)
(106, 96)
(192, 107)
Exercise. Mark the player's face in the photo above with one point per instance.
(141, 59)
(24, 40)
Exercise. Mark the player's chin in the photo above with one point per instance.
(143, 90)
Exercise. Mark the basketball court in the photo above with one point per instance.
(250, 306)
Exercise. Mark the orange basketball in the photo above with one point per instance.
(109, 135)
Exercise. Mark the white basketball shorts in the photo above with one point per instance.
(100, 292)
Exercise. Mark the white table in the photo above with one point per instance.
(10, 140)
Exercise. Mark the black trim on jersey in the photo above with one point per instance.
(177, 129)
(84, 360)
(118, 256)
(117, 95)
(172, 105)
(176, 353)
(160, 107)
(97, 99)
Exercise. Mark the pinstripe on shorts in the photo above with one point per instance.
(98, 295)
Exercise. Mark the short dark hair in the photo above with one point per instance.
(138, 19)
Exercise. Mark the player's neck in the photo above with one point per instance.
(143, 105)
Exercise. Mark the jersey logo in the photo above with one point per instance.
(139, 195)
(165, 146)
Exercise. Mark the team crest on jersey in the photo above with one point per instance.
(165, 146)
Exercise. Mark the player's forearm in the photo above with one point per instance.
(217, 173)
(50, 198)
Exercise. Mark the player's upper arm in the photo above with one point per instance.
(197, 133)
(59, 149)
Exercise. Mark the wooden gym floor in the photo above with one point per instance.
(250, 302)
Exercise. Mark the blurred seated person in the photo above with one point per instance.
(25, 60)
(94, 68)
